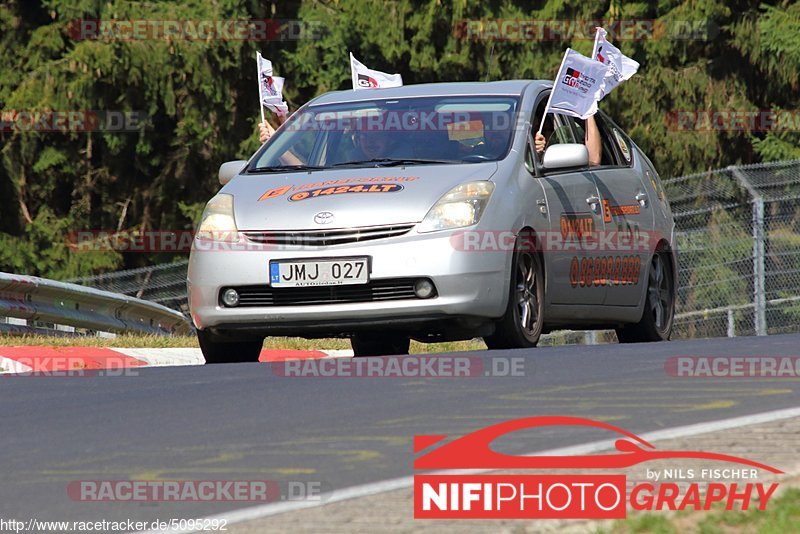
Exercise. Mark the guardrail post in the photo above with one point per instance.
(590, 337)
(731, 324)
(759, 270)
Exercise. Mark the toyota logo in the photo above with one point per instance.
(323, 217)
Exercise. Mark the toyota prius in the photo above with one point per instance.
(425, 212)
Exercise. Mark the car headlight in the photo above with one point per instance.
(461, 206)
(218, 222)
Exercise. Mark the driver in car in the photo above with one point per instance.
(372, 144)
(369, 140)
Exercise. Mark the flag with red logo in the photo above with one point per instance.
(270, 87)
(620, 66)
(364, 78)
(578, 86)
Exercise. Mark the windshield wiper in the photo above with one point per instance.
(394, 162)
(284, 168)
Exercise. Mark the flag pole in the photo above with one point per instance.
(353, 76)
(549, 98)
(596, 38)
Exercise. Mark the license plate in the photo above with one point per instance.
(335, 272)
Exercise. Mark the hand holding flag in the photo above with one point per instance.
(364, 78)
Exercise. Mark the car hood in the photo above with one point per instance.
(394, 195)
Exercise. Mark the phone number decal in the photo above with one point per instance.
(345, 189)
(604, 271)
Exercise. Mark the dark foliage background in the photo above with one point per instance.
(201, 97)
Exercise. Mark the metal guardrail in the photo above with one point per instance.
(729, 311)
(39, 299)
(165, 283)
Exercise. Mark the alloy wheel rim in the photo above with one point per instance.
(659, 298)
(527, 299)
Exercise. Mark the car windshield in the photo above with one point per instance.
(389, 132)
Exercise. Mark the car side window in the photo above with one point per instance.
(609, 155)
(563, 133)
(556, 129)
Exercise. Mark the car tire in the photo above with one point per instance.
(659, 305)
(521, 325)
(379, 344)
(218, 350)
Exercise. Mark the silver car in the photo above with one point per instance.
(425, 212)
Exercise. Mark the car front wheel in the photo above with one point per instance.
(521, 326)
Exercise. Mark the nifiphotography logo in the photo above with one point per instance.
(571, 496)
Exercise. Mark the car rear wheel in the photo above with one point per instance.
(659, 305)
(220, 350)
(521, 326)
(379, 344)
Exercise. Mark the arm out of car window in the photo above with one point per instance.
(592, 141)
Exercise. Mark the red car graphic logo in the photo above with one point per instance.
(473, 451)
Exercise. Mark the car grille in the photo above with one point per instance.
(375, 290)
(326, 238)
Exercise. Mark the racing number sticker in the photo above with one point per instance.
(604, 271)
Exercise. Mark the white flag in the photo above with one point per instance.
(578, 86)
(364, 78)
(270, 88)
(620, 66)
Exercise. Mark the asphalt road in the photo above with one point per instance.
(243, 422)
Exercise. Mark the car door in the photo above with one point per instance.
(573, 201)
(627, 215)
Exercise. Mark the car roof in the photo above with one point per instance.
(506, 87)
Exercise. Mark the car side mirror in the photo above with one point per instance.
(229, 169)
(564, 156)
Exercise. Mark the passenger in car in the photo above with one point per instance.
(592, 142)
(265, 129)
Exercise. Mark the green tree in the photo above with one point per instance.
(200, 101)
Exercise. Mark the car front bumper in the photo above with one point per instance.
(471, 286)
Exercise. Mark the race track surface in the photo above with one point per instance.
(244, 422)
